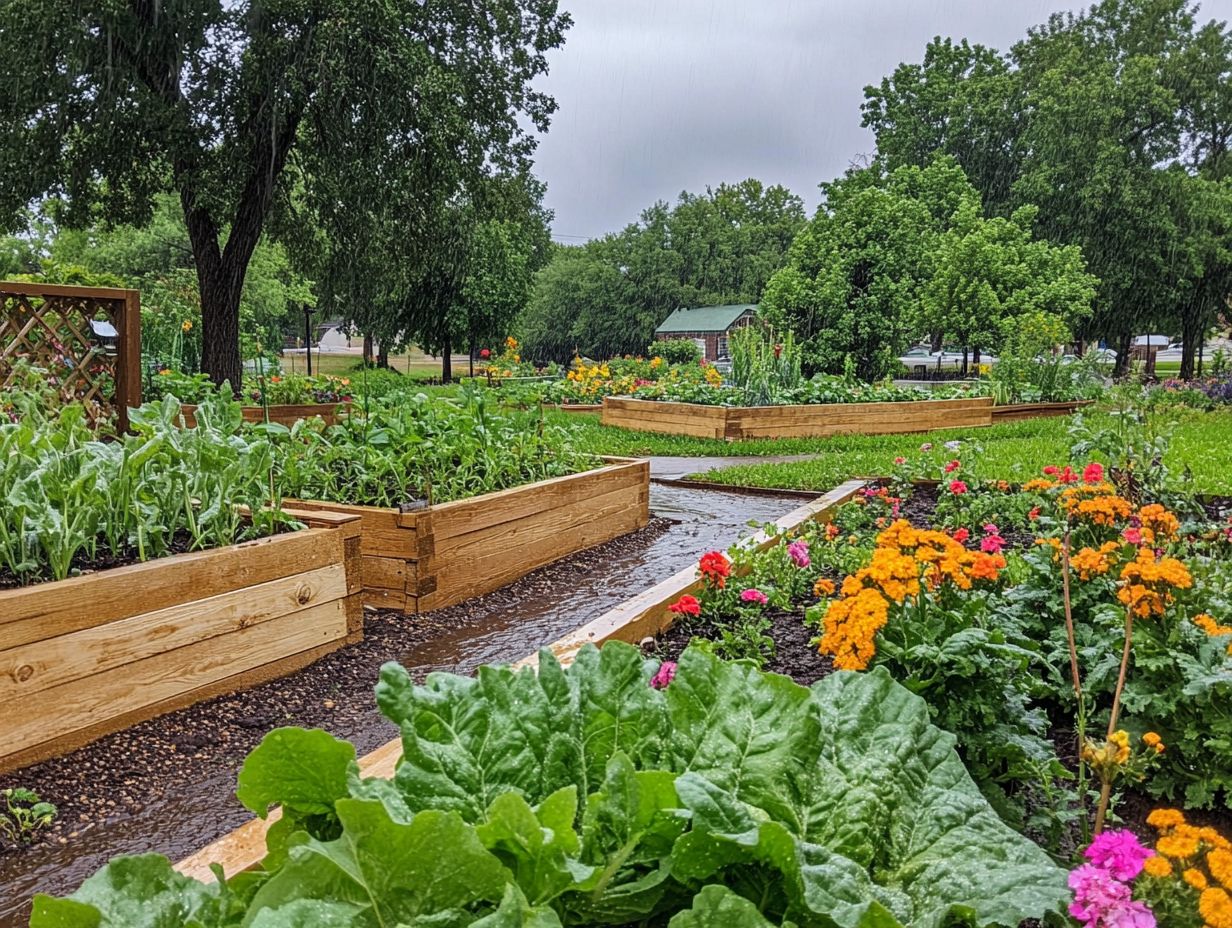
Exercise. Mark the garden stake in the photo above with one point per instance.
(1106, 791)
(1073, 666)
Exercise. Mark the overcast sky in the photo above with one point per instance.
(660, 96)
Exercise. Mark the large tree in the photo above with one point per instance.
(365, 111)
(606, 297)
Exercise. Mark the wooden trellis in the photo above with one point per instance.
(48, 326)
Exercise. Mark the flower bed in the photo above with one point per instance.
(86, 656)
(740, 423)
(439, 555)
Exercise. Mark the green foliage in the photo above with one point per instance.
(675, 350)
(855, 274)
(24, 815)
(1031, 367)
(605, 298)
(411, 449)
(72, 497)
(762, 369)
(582, 796)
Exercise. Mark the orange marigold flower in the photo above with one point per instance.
(1158, 867)
(1159, 521)
(850, 629)
(1195, 878)
(1219, 861)
(1147, 583)
(1152, 740)
(823, 587)
(1164, 819)
(1177, 846)
(1092, 562)
(1215, 906)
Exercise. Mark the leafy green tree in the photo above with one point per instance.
(606, 297)
(855, 276)
(368, 113)
(987, 270)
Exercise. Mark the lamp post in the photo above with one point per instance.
(308, 335)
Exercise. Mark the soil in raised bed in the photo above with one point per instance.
(82, 564)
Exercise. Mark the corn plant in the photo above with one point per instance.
(762, 368)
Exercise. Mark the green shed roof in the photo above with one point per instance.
(703, 318)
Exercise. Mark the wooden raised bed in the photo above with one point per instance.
(631, 621)
(1016, 411)
(741, 423)
(83, 657)
(286, 415)
(436, 557)
(574, 407)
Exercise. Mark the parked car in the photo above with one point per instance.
(945, 360)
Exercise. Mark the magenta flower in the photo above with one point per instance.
(1132, 535)
(798, 551)
(664, 675)
(1119, 852)
(754, 596)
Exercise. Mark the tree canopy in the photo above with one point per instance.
(607, 297)
(370, 121)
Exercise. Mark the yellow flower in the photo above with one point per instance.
(1158, 867)
(1177, 846)
(1195, 878)
(186, 325)
(1215, 906)
(1164, 819)
(165, 372)
(511, 343)
(1220, 863)
(823, 587)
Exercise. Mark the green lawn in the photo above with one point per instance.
(1200, 443)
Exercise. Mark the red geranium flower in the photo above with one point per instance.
(1051, 470)
(961, 535)
(485, 353)
(958, 488)
(1068, 475)
(1034, 514)
(953, 466)
(1093, 473)
(715, 567)
(686, 605)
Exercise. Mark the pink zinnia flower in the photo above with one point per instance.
(754, 596)
(952, 466)
(1101, 901)
(798, 551)
(992, 544)
(1119, 852)
(1093, 473)
(1132, 535)
(900, 460)
(664, 675)
(958, 488)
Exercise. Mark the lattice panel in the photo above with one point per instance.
(52, 333)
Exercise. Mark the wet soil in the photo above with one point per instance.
(167, 785)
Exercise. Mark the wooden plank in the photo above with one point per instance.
(244, 848)
(34, 667)
(58, 608)
(382, 530)
(61, 710)
(387, 573)
(91, 293)
(234, 683)
(488, 562)
(469, 515)
(128, 362)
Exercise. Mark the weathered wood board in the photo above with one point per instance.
(283, 414)
(436, 557)
(1017, 411)
(83, 657)
(742, 423)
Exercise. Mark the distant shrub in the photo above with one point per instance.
(675, 350)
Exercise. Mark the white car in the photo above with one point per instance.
(924, 356)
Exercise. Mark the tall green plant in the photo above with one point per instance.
(762, 368)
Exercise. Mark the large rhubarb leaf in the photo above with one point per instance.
(468, 740)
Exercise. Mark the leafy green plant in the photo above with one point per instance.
(411, 447)
(583, 796)
(24, 815)
(675, 350)
(763, 369)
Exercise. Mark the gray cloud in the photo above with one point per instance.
(660, 96)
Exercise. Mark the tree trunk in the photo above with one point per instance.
(382, 357)
(367, 351)
(220, 325)
(446, 361)
(935, 341)
(471, 359)
(1123, 343)
(1191, 333)
(975, 358)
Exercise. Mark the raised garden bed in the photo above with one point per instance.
(83, 657)
(574, 407)
(286, 415)
(1016, 411)
(441, 555)
(741, 423)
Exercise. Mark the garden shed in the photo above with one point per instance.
(708, 326)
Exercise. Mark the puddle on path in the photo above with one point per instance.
(181, 822)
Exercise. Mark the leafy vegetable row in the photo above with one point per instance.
(586, 796)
